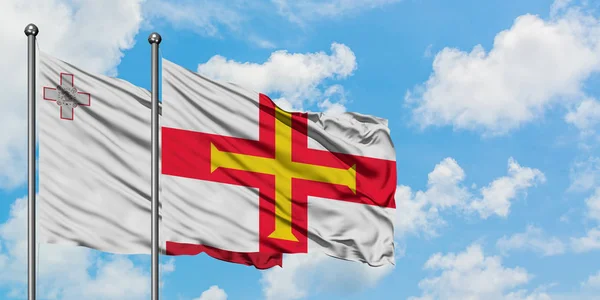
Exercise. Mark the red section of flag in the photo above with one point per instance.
(261, 261)
(187, 154)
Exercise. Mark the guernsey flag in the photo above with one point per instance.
(245, 181)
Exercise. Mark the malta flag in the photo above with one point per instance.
(94, 159)
(245, 181)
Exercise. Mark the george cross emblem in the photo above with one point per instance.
(67, 96)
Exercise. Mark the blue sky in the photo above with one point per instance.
(492, 105)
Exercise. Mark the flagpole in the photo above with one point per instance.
(154, 39)
(31, 32)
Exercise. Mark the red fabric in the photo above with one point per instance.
(260, 261)
(187, 154)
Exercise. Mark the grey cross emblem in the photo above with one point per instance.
(67, 96)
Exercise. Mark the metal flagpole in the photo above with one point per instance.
(154, 40)
(31, 32)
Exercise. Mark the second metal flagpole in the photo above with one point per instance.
(154, 40)
(31, 32)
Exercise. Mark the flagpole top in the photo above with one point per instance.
(31, 29)
(154, 38)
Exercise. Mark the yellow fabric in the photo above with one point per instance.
(284, 169)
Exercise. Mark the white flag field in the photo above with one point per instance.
(241, 180)
(94, 163)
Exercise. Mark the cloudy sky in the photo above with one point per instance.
(493, 107)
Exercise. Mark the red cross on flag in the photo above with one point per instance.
(272, 181)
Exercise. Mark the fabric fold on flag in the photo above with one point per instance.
(272, 181)
(261, 261)
(94, 166)
(242, 180)
(94, 159)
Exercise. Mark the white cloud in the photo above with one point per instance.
(587, 243)
(532, 239)
(559, 6)
(203, 17)
(415, 214)
(66, 272)
(585, 175)
(533, 65)
(443, 184)
(591, 241)
(305, 274)
(586, 116)
(302, 11)
(261, 42)
(296, 77)
(593, 282)
(535, 295)
(210, 17)
(335, 99)
(566, 217)
(420, 211)
(213, 293)
(168, 267)
(80, 28)
(496, 196)
(593, 205)
(332, 108)
(118, 278)
(487, 278)
(428, 51)
(213, 17)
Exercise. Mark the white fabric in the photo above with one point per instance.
(351, 133)
(344, 230)
(333, 223)
(201, 212)
(94, 170)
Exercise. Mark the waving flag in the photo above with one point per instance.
(242, 180)
(241, 175)
(94, 161)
